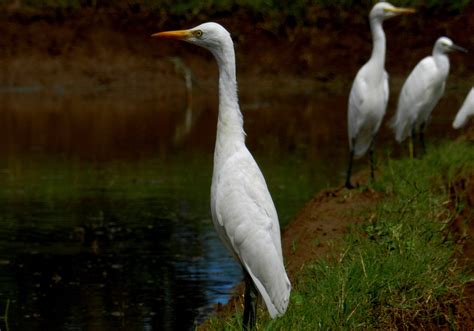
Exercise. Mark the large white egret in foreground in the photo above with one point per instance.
(421, 92)
(369, 94)
(466, 111)
(242, 209)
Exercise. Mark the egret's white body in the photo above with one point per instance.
(422, 90)
(369, 93)
(242, 209)
(465, 112)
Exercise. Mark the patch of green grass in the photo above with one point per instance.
(394, 271)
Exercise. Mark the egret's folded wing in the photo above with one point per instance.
(417, 94)
(246, 212)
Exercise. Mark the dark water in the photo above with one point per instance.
(104, 198)
(108, 247)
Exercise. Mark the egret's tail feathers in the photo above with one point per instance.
(276, 294)
(460, 120)
(466, 111)
(400, 129)
(264, 264)
(402, 132)
(361, 145)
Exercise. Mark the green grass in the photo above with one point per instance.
(394, 271)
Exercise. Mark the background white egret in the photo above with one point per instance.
(466, 111)
(369, 94)
(421, 92)
(242, 209)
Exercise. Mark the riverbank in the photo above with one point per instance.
(110, 47)
(394, 254)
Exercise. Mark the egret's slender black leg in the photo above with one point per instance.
(412, 144)
(372, 159)
(422, 138)
(349, 170)
(250, 304)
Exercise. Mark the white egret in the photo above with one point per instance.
(466, 111)
(421, 92)
(369, 93)
(243, 212)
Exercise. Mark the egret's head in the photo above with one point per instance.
(383, 10)
(445, 45)
(208, 35)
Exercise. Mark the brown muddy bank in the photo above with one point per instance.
(111, 48)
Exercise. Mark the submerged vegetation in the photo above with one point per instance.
(396, 270)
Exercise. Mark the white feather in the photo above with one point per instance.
(465, 112)
(421, 91)
(367, 104)
(242, 209)
(369, 93)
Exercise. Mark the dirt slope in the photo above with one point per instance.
(462, 192)
(321, 224)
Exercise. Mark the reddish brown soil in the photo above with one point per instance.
(322, 223)
(462, 193)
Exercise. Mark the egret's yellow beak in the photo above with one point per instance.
(399, 10)
(180, 34)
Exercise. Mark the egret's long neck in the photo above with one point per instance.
(442, 62)
(377, 59)
(230, 132)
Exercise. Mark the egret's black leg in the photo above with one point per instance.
(422, 138)
(250, 304)
(372, 160)
(412, 143)
(349, 170)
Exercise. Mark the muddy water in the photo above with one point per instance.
(104, 196)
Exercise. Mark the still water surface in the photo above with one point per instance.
(104, 207)
(104, 199)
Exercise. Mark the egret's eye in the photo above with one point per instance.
(198, 33)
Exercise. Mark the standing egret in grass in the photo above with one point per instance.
(369, 94)
(466, 111)
(421, 92)
(242, 209)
